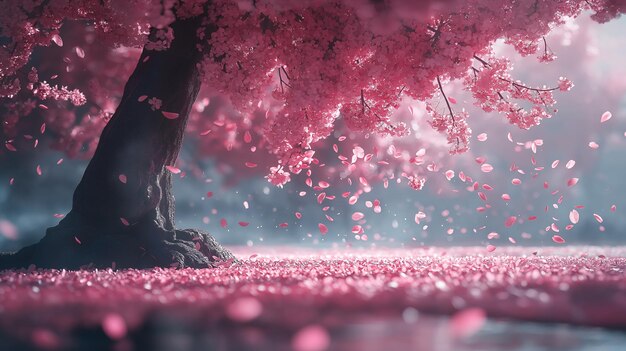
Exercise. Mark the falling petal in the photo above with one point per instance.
(572, 181)
(247, 138)
(170, 115)
(574, 216)
(606, 116)
(173, 169)
(598, 218)
(57, 40)
(322, 227)
(79, 52)
(449, 174)
(357, 216)
(510, 221)
(558, 239)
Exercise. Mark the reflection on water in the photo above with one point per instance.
(369, 333)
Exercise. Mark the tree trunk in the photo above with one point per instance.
(131, 224)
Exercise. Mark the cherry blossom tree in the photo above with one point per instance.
(288, 72)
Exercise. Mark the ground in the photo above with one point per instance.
(283, 298)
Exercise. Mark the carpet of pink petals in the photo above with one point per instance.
(298, 288)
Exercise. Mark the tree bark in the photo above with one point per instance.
(132, 224)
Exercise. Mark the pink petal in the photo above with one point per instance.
(356, 216)
(574, 216)
(244, 224)
(205, 133)
(449, 174)
(570, 164)
(555, 163)
(170, 115)
(593, 145)
(506, 197)
(606, 116)
(250, 164)
(142, 98)
(122, 178)
(572, 181)
(558, 239)
(352, 200)
(516, 181)
(613, 208)
(223, 223)
(39, 170)
(598, 218)
(482, 137)
(510, 221)
(79, 52)
(486, 167)
(323, 229)
(321, 197)
(356, 229)
(298, 215)
(283, 225)
(554, 227)
(10, 147)
(247, 138)
(57, 40)
(173, 169)
(124, 221)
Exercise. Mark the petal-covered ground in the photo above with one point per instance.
(286, 298)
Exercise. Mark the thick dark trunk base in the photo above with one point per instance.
(137, 246)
